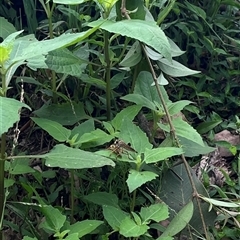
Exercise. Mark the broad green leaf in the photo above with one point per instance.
(56, 130)
(54, 219)
(129, 228)
(29, 238)
(161, 153)
(6, 28)
(153, 35)
(180, 221)
(85, 127)
(114, 216)
(95, 138)
(192, 149)
(165, 238)
(69, 2)
(156, 212)
(103, 198)
(72, 236)
(20, 166)
(108, 126)
(174, 68)
(139, 100)
(84, 227)
(205, 127)
(176, 191)
(129, 113)
(64, 61)
(133, 56)
(117, 79)
(99, 83)
(161, 80)
(184, 130)
(175, 50)
(72, 158)
(144, 88)
(137, 179)
(65, 114)
(9, 113)
(178, 106)
(197, 10)
(130, 133)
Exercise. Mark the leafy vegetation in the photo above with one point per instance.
(110, 114)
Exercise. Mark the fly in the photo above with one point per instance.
(119, 147)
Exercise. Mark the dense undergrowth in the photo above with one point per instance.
(119, 119)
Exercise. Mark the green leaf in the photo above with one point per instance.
(72, 236)
(137, 179)
(65, 114)
(161, 153)
(95, 138)
(178, 106)
(71, 158)
(69, 2)
(129, 228)
(103, 198)
(153, 35)
(20, 166)
(129, 112)
(156, 212)
(84, 227)
(84, 127)
(56, 130)
(108, 126)
(192, 149)
(133, 56)
(161, 80)
(197, 10)
(130, 133)
(6, 28)
(9, 112)
(174, 68)
(184, 130)
(54, 219)
(180, 221)
(139, 100)
(114, 216)
(205, 127)
(64, 61)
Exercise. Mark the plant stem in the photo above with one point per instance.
(72, 195)
(107, 74)
(50, 26)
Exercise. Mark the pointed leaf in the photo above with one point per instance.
(54, 219)
(178, 106)
(184, 130)
(156, 212)
(161, 153)
(84, 227)
(103, 198)
(114, 216)
(130, 133)
(137, 179)
(129, 112)
(129, 228)
(133, 56)
(56, 130)
(72, 158)
(180, 221)
(9, 113)
(153, 35)
(6, 28)
(139, 100)
(174, 68)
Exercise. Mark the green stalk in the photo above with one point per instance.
(2, 164)
(72, 195)
(107, 74)
(50, 26)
